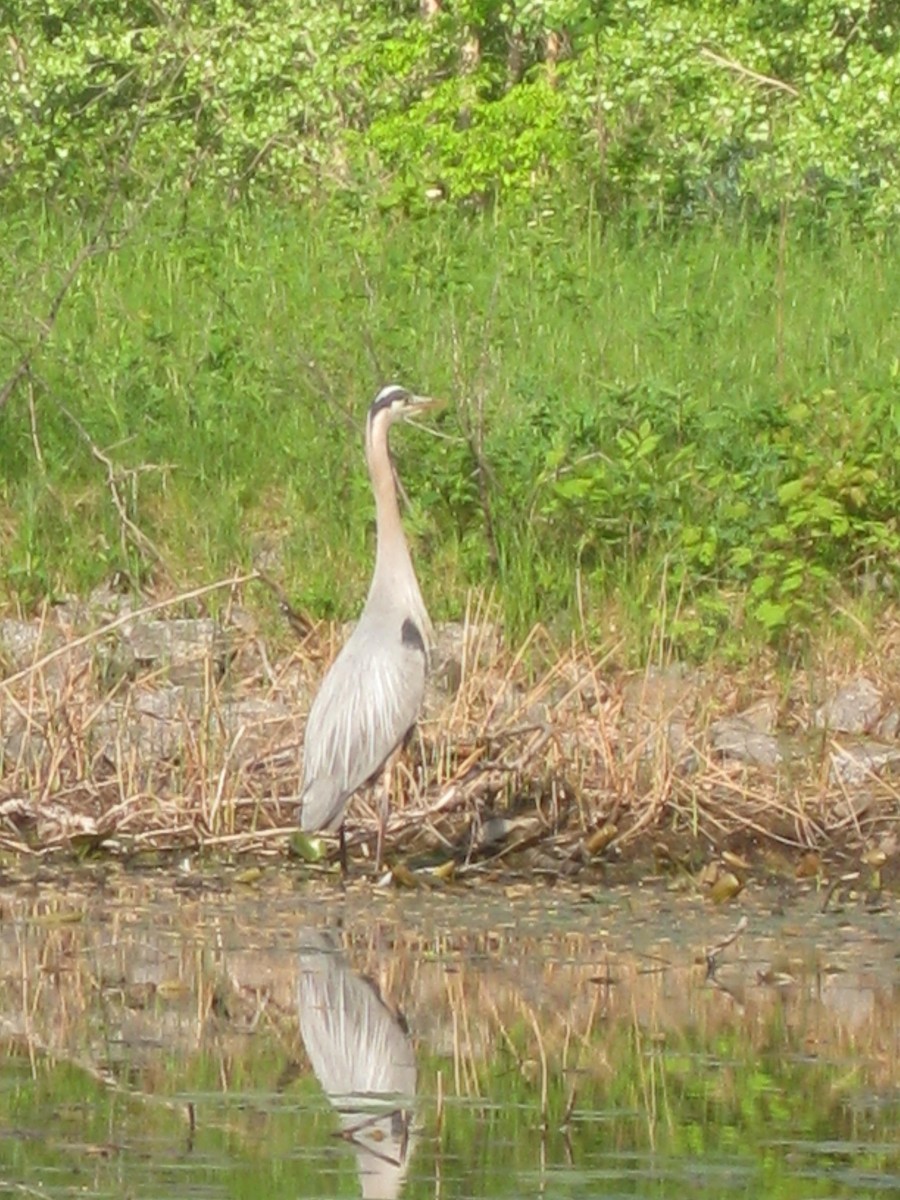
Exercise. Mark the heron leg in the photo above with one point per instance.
(382, 819)
(384, 805)
(342, 851)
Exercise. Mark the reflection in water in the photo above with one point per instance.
(363, 1057)
(567, 1044)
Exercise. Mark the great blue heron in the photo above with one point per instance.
(362, 1055)
(371, 696)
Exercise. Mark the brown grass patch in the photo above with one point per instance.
(543, 756)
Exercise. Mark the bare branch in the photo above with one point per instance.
(729, 64)
(130, 531)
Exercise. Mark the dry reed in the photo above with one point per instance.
(543, 756)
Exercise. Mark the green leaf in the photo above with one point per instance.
(310, 849)
(762, 585)
(791, 491)
(772, 615)
(572, 489)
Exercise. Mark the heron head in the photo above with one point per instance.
(398, 402)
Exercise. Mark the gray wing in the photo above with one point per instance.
(357, 1047)
(369, 700)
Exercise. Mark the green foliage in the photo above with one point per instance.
(703, 427)
(682, 107)
(774, 503)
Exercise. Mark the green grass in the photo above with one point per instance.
(625, 405)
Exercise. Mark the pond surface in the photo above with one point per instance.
(238, 1035)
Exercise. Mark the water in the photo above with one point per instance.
(172, 1035)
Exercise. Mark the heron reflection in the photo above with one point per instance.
(362, 1055)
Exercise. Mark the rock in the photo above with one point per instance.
(148, 726)
(105, 603)
(252, 727)
(576, 689)
(657, 706)
(493, 832)
(177, 641)
(661, 692)
(761, 716)
(24, 746)
(888, 728)
(857, 763)
(243, 621)
(460, 645)
(184, 649)
(157, 724)
(678, 737)
(852, 805)
(854, 709)
(738, 738)
(23, 642)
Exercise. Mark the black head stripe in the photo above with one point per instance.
(386, 397)
(410, 636)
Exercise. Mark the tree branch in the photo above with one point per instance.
(729, 64)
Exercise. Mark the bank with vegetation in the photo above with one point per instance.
(646, 250)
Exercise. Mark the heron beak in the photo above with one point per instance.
(419, 404)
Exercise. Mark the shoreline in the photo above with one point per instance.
(127, 732)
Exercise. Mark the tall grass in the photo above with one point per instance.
(207, 381)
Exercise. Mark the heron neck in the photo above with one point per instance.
(394, 577)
